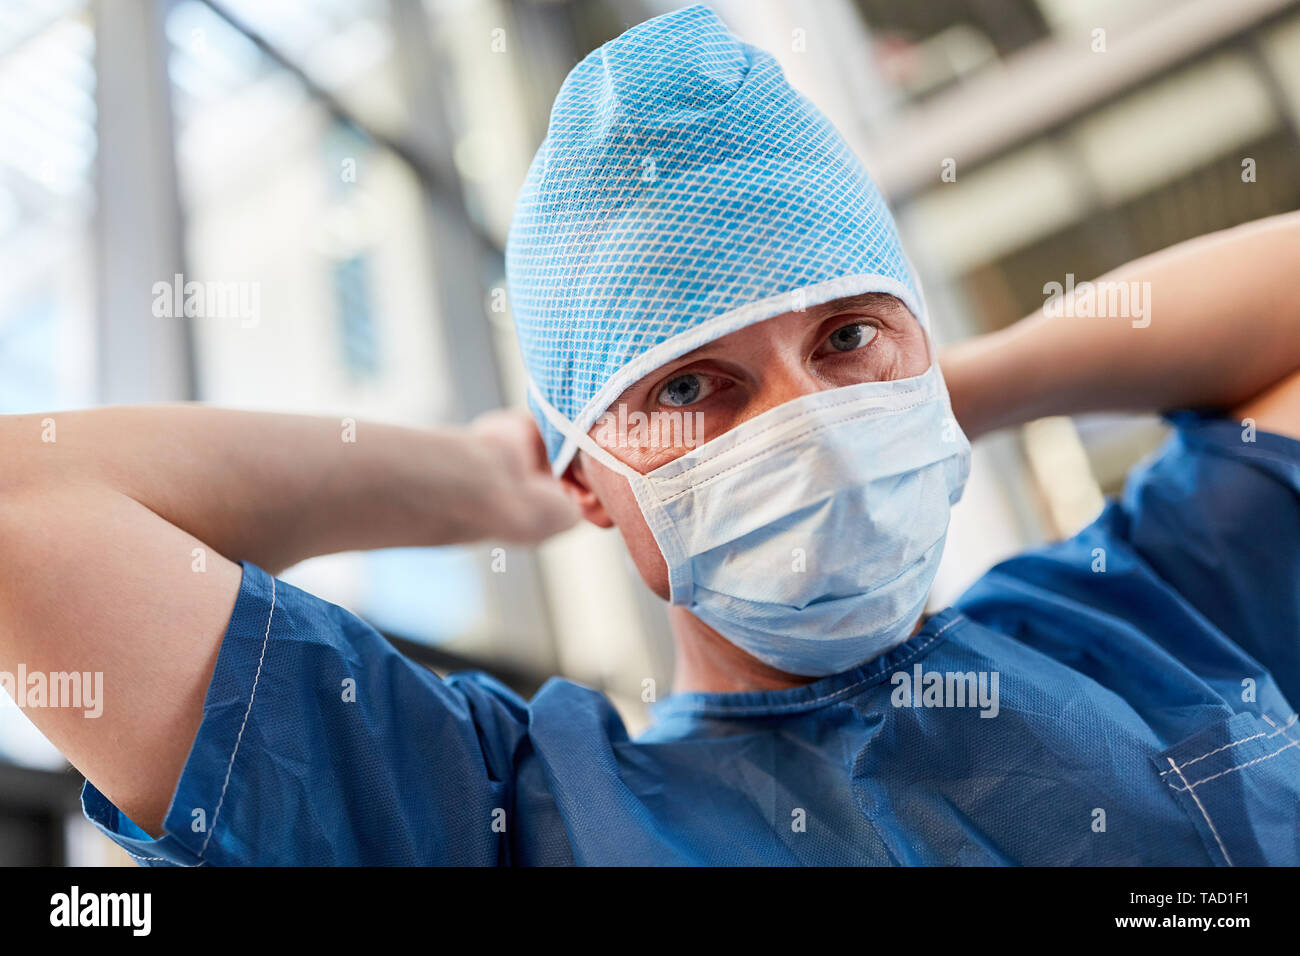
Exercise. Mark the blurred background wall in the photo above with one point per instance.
(353, 164)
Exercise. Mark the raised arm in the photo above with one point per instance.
(101, 512)
(1221, 329)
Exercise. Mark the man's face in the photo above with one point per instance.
(866, 338)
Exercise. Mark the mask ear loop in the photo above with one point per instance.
(959, 435)
(681, 586)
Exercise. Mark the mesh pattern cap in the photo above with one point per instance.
(684, 190)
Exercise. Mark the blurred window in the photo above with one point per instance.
(326, 229)
(47, 153)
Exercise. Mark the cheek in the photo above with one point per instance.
(620, 504)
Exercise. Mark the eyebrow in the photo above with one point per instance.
(866, 301)
(863, 300)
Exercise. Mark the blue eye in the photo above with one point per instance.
(847, 338)
(684, 390)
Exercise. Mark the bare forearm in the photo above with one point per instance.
(272, 489)
(101, 510)
(1224, 326)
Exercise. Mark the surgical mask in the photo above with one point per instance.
(809, 535)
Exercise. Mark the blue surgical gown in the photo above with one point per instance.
(1147, 672)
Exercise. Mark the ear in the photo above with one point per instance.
(578, 487)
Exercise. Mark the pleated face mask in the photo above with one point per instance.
(684, 191)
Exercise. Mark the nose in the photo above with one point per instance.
(784, 378)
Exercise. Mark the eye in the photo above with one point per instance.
(848, 338)
(685, 389)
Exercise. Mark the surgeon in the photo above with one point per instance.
(694, 238)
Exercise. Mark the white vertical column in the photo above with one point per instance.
(138, 220)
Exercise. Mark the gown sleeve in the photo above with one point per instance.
(321, 744)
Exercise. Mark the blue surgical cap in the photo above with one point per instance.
(684, 190)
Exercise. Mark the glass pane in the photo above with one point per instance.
(47, 153)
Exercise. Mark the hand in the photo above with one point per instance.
(526, 503)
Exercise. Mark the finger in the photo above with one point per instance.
(541, 510)
(536, 445)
